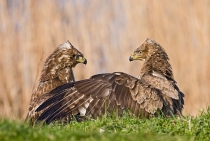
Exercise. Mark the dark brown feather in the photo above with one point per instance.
(57, 71)
(155, 91)
(117, 94)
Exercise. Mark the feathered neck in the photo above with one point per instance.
(157, 62)
(57, 71)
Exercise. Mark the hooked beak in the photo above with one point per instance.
(82, 60)
(133, 57)
(130, 58)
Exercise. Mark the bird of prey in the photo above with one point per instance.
(154, 92)
(57, 71)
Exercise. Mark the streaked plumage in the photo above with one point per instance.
(57, 71)
(155, 91)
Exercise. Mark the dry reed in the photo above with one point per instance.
(107, 32)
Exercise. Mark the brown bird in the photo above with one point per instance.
(156, 91)
(57, 71)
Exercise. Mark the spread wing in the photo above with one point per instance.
(99, 94)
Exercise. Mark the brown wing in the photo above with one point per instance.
(99, 94)
(171, 93)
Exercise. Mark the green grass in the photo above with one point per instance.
(112, 129)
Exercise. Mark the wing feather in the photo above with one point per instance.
(92, 97)
(58, 105)
(162, 84)
(91, 108)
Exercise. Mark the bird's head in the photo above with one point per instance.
(69, 55)
(148, 48)
(155, 57)
(65, 56)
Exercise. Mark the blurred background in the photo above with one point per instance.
(106, 32)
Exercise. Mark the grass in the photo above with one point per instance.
(112, 128)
